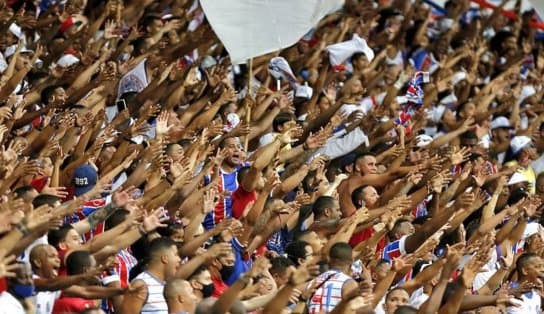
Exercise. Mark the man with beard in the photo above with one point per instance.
(233, 155)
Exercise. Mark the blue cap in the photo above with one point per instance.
(85, 177)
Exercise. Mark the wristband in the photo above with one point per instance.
(22, 228)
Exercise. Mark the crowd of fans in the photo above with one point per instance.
(391, 161)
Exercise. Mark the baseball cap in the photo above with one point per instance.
(10, 50)
(423, 140)
(208, 62)
(67, 60)
(517, 178)
(85, 177)
(520, 142)
(500, 122)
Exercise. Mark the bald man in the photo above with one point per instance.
(179, 296)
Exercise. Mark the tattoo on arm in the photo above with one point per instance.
(101, 214)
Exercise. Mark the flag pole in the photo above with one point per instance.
(248, 107)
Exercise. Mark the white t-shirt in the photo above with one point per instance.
(538, 165)
(10, 305)
(418, 298)
(45, 300)
(531, 304)
(267, 138)
(380, 308)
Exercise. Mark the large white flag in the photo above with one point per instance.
(251, 28)
(539, 7)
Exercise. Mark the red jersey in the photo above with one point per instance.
(240, 199)
(65, 305)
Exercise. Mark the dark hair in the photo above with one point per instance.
(397, 224)
(45, 199)
(20, 191)
(143, 251)
(242, 173)
(197, 272)
(158, 245)
(469, 135)
(116, 218)
(523, 260)
(392, 290)
(381, 261)
(280, 264)
(149, 19)
(280, 119)
(497, 41)
(356, 56)
(47, 92)
(517, 195)
(358, 195)
(54, 237)
(342, 252)
(77, 262)
(170, 229)
(296, 250)
(362, 156)
(139, 44)
(322, 203)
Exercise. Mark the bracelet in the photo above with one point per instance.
(22, 228)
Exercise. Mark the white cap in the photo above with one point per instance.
(423, 140)
(67, 60)
(11, 50)
(458, 77)
(519, 142)
(517, 178)
(304, 91)
(526, 92)
(208, 62)
(500, 122)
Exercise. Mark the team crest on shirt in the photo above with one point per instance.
(132, 83)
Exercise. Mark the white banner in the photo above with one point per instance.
(251, 28)
(539, 7)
